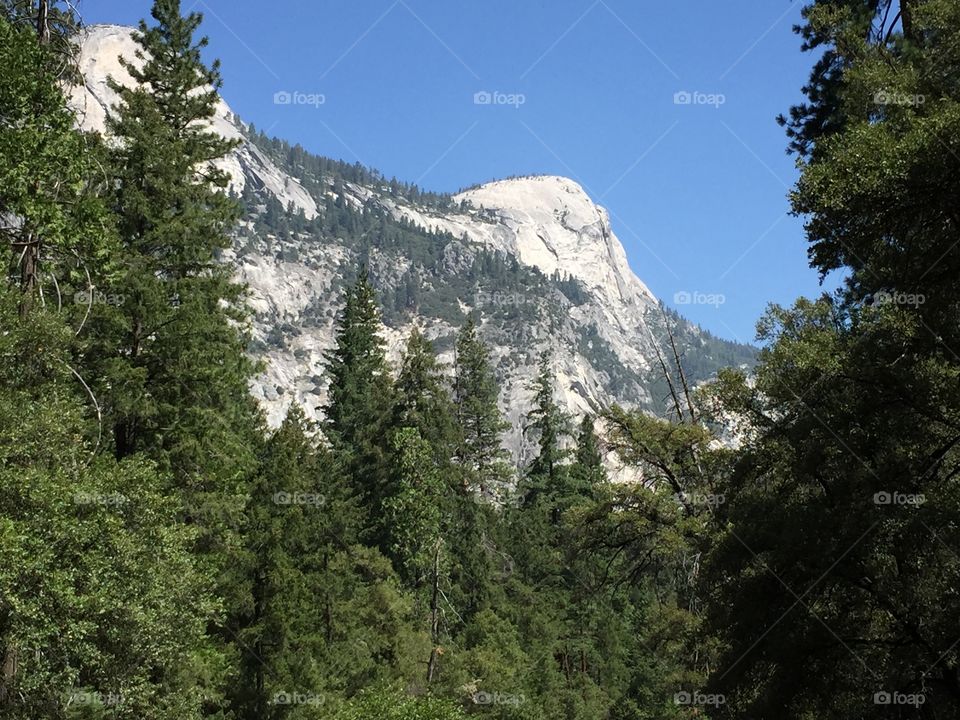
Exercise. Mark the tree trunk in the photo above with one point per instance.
(29, 266)
(434, 617)
(906, 18)
(327, 605)
(28, 272)
(8, 671)
(43, 22)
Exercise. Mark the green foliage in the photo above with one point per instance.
(361, 403)
(482, 458)
(47, 171)
(165, 557)
(158, 348)
(392, 704)
(832, 579)
(100, 596)
(550, 424)
(587, 470)
(423, 400)
(280, 628)
(414, 506)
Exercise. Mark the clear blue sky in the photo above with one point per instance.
(697, 192)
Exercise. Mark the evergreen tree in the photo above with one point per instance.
(481, 470)
(423, 401)
(546, 474)
(281, 626)
(416, 517)
(481, 456)
(361, 403)
(587, 470)
(175, 325)
(414, 506)
(167, 359)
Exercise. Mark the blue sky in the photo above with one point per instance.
(697, 191)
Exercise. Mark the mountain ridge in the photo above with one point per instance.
(534, 256)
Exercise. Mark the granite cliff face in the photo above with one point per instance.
(535, 256)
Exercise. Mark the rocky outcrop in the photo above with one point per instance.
(602, 345)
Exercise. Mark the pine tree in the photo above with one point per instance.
(176, 323)
(361, 402)
(416, 515)
(546, 474)
(847, 486)
(588, 469)
(167, 359)
(481, 470)
(481, 456)
(281, 627)
(414, 506)
(423, 401)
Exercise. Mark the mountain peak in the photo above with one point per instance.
(591, 311)
(534, 193)
(549, 221)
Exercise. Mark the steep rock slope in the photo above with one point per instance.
(533, 256)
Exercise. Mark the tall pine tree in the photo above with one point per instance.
(423, 401)
(547, 474)
(480, 453)
(361, 402)
(168, 357)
